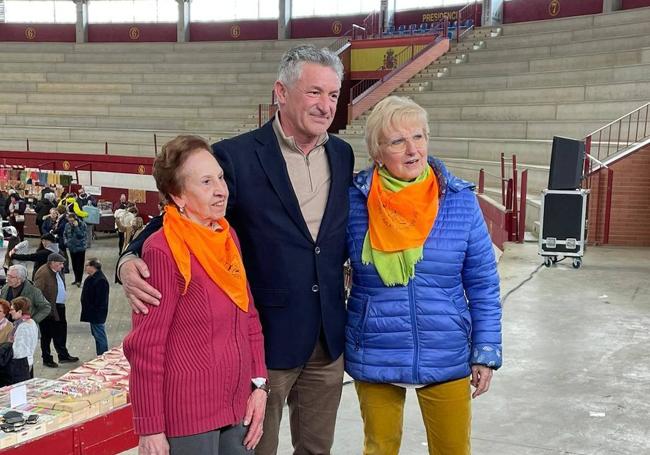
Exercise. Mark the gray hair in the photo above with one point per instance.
(49, 196)
(21, 271)
(293, 60)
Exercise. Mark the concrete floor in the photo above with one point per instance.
(576, 371)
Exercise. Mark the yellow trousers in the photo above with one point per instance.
(446, 411)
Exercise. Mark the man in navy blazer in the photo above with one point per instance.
(288, 183)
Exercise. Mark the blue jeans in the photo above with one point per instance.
(99, 333)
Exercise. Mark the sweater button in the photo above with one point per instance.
(317, 250)
(314, 288)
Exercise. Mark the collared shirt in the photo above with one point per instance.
(310, 176)
(60, 290)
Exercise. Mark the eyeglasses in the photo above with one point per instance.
(399, 144)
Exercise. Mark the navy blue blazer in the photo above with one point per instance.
(297, 283)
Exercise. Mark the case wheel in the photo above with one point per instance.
(577, 262)
(547, 261)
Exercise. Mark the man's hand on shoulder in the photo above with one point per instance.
(139, 293)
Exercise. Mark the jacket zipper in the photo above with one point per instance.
(362, 323)
(416, 341)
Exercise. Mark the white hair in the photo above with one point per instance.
(293, 60)
(21, 271)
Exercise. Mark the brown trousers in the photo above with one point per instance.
(313, 393)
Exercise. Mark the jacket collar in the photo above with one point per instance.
(275, 168)
(446, 180)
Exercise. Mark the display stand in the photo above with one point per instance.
(107, 434)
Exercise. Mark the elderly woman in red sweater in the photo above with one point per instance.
(198, 380)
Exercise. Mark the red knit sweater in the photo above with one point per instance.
(193, 357)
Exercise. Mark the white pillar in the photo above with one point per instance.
(81, 28)
(183, 24)
(284, 19)
(611, 5)
(492, 12)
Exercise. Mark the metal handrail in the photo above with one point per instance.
(645, 106)
(459, 19)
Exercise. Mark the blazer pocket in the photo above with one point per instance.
(270, 298)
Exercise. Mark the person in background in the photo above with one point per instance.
(84, 199)
(14, 244)
(43, 208)
(24, 337)
(120, 207)
(71, 205)
(424, 311)
(4, 198)
(59, 231)
(75, 240)
(49, 222)
(206, 313)
(16, 212)
(94, 303)
(6, 327)
(19, 286)
(50, 280)
(47, 246)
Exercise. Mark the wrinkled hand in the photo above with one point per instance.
(153, 444)
(481, 377)
(138, 292)
(254, 418)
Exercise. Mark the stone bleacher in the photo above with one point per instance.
(76, 97)
(512, 93)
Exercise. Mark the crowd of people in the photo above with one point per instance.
(37, 301)
(254, 235)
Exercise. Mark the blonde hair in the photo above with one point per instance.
(390, 112)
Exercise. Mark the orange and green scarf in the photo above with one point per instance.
(400, 217)
(215, 250)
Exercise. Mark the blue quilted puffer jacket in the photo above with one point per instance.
(447, 318)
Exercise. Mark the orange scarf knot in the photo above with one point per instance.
(215, 251)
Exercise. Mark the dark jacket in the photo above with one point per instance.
(39, 258)
(94, 298)
(75, 237)
(42, 209)
(40, 305)
(297, 283)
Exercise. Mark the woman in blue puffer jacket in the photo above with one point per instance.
(424, 310)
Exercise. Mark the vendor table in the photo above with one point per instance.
(106, 434)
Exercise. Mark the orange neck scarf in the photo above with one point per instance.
(216, 251)
(403, 219)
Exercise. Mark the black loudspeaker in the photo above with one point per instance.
(567, 161)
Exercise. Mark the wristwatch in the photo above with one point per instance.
(262, 384)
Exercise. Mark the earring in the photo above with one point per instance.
(182, 210)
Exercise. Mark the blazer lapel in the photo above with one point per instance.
(275, 169)
(337, 179)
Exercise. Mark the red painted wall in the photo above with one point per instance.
(131, 33)
(234, 31)
(535, 10)
(314, 27)
(38, 32)
(629, 4)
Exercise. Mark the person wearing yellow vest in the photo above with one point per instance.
(424, 310)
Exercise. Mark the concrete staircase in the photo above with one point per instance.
(513, 92)
(76, 97)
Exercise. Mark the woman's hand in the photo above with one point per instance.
(481, 377)
(254, 418)
(153, 444)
